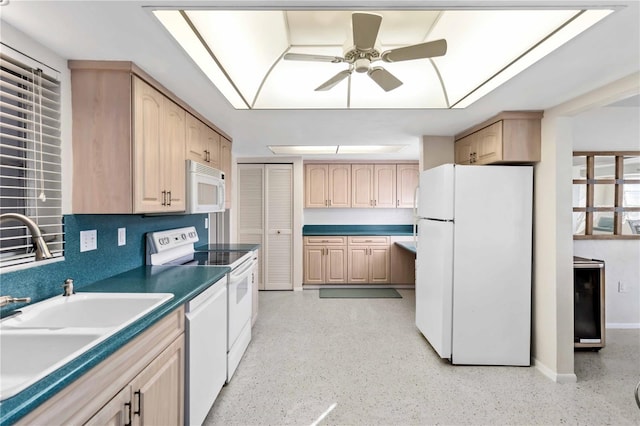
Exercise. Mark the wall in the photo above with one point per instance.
(607, 129)
(552, 340)
(41, 282)
(436, 150)
(45, 280)
(358, 216)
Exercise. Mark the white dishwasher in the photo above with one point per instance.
(206, 354)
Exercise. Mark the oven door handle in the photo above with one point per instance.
(239, 274)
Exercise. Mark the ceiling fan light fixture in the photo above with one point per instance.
(361, 65)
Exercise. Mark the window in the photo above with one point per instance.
(606, 195)
(30, 156)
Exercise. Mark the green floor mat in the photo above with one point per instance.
(359, 293)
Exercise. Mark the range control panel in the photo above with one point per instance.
(166, 240)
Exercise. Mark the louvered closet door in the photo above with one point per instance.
(251, 211)
(279, 221)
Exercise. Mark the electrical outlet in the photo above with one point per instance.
(88, 240)
(122, 236)
(206, 223)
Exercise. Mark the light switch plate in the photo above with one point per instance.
(88, 240)
(122, 236)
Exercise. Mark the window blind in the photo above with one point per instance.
(30, 154)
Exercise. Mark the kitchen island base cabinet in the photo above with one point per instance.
(146, 376)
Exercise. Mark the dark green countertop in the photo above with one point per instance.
(228, 247)
(315, 230)
(407, 246)
(185, 282)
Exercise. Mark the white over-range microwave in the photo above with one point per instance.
(205, 188)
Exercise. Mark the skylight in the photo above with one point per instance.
(247, 54)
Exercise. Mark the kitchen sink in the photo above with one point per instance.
(87, 310)
(50, 333)
(28, 355)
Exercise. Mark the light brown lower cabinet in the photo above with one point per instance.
(142, 383)
(325, 260)
(369, 260)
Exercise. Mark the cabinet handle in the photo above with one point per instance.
(206, 155)
(375, 203)
(397, 203)
(169, 198)
(127, 406)
(139, 395)
(329, 202)
(164, 198)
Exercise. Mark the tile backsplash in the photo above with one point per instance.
(41, 282)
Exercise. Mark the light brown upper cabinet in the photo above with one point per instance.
(357, 185)
(373, 185)
(203, 143)
(407, 176)
(129, 140)
(158, 145)
(509, 137)
(327, 185)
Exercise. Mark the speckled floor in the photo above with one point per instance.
(367, 357)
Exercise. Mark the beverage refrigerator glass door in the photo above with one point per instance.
(205, 188)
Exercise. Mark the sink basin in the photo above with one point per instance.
(50, 333)
(87, 310)
(30, 355)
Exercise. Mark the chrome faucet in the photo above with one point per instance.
(42, 251)
(5, 300)
(68, 287)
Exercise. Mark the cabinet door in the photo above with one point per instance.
(212, 144)
(279, 222)
(117, 412)
(158, 391)
(336, 265)
(379, 264)
(358, 264)
(489, 144)
(224, 160)
(195, 139)
(463, 148)
(361, 185)
(148, 126)
(250, 211)
(315, 185)
(173, 142)
(384, 185)
(407, 182)
(339, 185)
(314, 264)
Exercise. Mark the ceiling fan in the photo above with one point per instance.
(364, 51)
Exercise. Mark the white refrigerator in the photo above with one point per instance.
(473, 263)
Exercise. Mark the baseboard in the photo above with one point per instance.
(623, 325)
(558, 378)
(396, 286)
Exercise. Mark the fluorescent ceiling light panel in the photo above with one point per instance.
(333, 149)
(302, 149)
(369, 149)
(242, 53)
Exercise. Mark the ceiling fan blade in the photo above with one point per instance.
(365, 30)
(312, 58)
(333, 81)
(428, 49)
(384, 78)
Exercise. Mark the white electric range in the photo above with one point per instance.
(176, 247)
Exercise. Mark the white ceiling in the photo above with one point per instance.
(126, 30)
